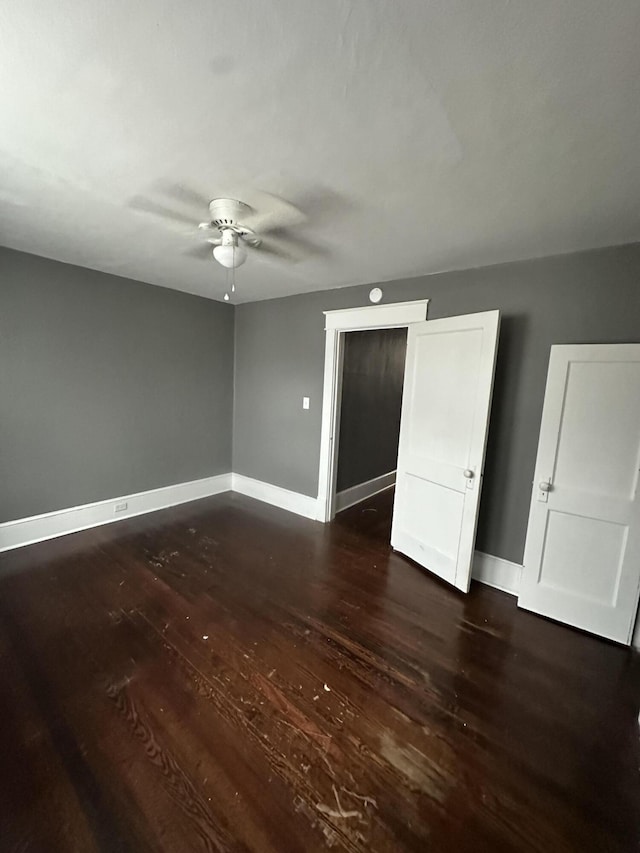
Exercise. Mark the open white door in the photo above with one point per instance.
(582, 555)
(443, 430)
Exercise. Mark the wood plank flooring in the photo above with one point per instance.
(227, 676)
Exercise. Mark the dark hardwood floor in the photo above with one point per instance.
(227, 676)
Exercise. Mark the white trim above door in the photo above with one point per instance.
(393, 316)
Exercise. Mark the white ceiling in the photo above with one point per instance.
(437, 135)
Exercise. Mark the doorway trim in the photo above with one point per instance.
(396, 315)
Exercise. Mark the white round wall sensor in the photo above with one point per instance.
(375, 294)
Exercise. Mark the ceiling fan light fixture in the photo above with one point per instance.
(230, 256)
(230, 253)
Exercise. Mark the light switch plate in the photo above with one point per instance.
(305, 402)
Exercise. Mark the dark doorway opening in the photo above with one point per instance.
(370, 407)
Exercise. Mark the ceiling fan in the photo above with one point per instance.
(238, 228)
(235, 229)
(264, 225)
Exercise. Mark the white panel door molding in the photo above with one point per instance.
(443, 431)
(582, 554)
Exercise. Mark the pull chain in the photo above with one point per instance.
(228, 274)
(233, 270)
(231, 276)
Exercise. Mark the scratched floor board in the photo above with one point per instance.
(227, 676)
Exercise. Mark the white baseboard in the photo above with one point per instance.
(355, 494)
(493, 571)
(504, 575)
(496, 572)
(26, 531)
(274, 495)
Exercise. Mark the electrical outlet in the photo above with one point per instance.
(121, 507)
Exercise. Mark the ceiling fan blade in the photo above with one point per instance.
(145, 205)
(288, 248)
(321, 204)
(203, 252)
(270, 213)
(185, 195)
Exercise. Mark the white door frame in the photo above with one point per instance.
(393, 316)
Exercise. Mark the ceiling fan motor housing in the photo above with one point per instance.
(227, 212)
(226, 215)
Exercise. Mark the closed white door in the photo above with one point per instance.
(443, 430)
(582, 555)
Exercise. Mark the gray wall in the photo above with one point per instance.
(591, 297)
(107, 386)
(372, 382)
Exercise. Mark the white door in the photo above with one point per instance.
(443, 430)
(582, 555)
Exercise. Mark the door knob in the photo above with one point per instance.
(468, 473)
(544, 486)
